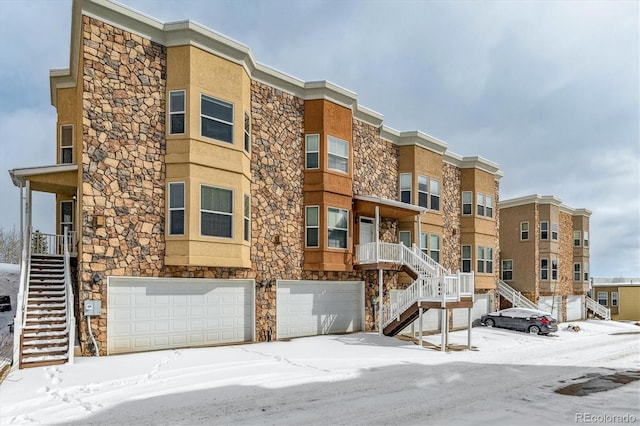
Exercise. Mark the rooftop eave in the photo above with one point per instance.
(413, 137)
(473, 163)
(19, 176)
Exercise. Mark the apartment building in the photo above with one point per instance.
(210, 199)
(544, 253)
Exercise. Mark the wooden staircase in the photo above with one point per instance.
(45, 335)
(406, 318)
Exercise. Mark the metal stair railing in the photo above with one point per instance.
(597, 308)
(514, 296)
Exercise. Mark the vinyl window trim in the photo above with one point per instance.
(524, 231)
(173, 209)
(330, 228)
(224, 103)
(182, 112)
(308, 227)
(308, 151)
(468, 203)
(66, 148)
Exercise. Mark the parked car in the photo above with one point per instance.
(528, 320)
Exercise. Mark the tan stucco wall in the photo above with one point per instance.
(523, 253)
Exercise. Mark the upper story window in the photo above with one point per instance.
(176, 208)
(480, 200)
(586, 238)
(247, 132)
(544, 230)
(247, 217)
(338, 154)
(577, 274)
(586, 271)
(405, 238)
(577, 238)
(489, 206)
(467, 202)
(66, 144)
(216, 119)
(423, 191)
(312, 149)
(405, 188)
(484, 205)
(544, 269)
(312, 222)
(466, 258)
(524, 231)
(216, 212)
(434, 247)
(424, 243)
(338, 227)
(554, 269)
(434, 198)
(554, 231)
(507, 270)
(176, 112)
(485, 260)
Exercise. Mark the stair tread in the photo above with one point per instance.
(44, 358)
(45, 334)
(44, 350)
(44, 342)
(41, 326)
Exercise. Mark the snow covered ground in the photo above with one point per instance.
(362, 378)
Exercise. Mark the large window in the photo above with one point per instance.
(554, 269)
(176, 208)
(434, 197)
(66, 144)
(312, 222)
(507, 270)
(338, 154)
(554, 231)
(603, 298)
(485, 260)
(216, 119)
(544, 230)
(338, 227)
(176, 112)
(466, 258)
(247, 217)
(423, 191)
(247, 132)
(405, 238)
(312, 160)
(614, 298)
(216, 212)
(577, 274)
(467, 202)
(544, 269)
(405, 188)
(524, 231)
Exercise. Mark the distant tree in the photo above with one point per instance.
(10, 246)
(39, 243)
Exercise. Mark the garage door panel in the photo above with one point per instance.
(148, 314)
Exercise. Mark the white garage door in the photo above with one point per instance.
(481, 306)
(160, 313)
(575, 308)
(309, 308)
(551, 304)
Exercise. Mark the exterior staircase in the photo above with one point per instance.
(433, 285)
(45, 334)
(597, 309)
(514, 296)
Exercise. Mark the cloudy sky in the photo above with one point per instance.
(548, 90)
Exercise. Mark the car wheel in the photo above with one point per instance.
(489, 322)
(534, 329)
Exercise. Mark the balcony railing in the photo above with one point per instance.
(53, 244)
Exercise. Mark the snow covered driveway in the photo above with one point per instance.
(349, 379)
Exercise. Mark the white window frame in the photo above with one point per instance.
(434, 195)
(247, 132)
(404, 188)
(202, 185)
(577, 238)
(585, 270)
(423, 182)
(484, 264)
(64, 224)
(309, 152)
(467, 202)
(605, 298)
(544, 230)
(174, 209)
(577, 272)
(401, 233)
(308, 227)
(331, 139)
(480, 257)
(505, 269)
(464, 258)
(424, 243)
(488, 207)
(216, 119)
(434, 240)
(555, 231)
(524, 225)
(182, 112)
(480, 201)
(544, 269)
(586, 238)
(247, 217)
(554, 269)
(65, 148)
(346, 230)
(615, 299)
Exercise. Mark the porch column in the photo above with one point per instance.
(469, 330)
(28, 204)
(420, 309)
(21, 213)
(380, 304)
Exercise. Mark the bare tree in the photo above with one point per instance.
(10, 246)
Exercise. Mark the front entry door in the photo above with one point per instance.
(367, 230)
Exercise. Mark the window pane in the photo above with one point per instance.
(337, 218)
(216, 225)
(424, 240)
(313, 143)
(67, 155)
(217, 130)
(176, 195)
(338, 238)
(405, 197)
(338, 163)
(435, 202)
(312, 216)
(422, 184)
(435, 242)
(66, 212)
(312, 237)
(466, 265)
(422, 199)
(489, 206)
(405, 238)
(176, 101)
(405, 181)
(435, 187)
(176, 222)
(466, 252)
(216, 109)
(312, 160)
(66, 136)
(216, 199)
(177, 123)
(338, 146)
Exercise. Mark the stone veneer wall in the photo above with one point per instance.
(123, 151)
(375, 163)
(451, 205)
